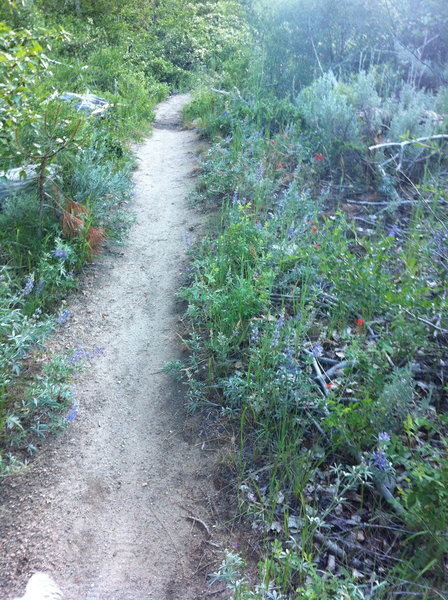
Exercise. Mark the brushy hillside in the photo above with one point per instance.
(65, 168)
(317, 309)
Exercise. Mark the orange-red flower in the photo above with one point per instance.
(359, 325)
(318, 156)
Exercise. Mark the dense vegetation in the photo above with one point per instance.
(317, 308)
(76, 166)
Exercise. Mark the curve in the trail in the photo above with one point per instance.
(102, 508)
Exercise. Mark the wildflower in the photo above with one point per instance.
(259, 174)
(279, 166)
(286, 175)
(38, 312)
(291, 232)
(235, 198)
(72, 413)
(255, 275)
(29, 285)
(383, 437)
(380, 461)
(316, 246)
(393, 231)
(258, 226)
(62, 319)
(359, 325)
(187, 238)
(317, 350)
(318, 157)
(328, 386)
(276, 337)
(77, 356)
(59, 253)
(313, 228)
(254, 336)
(40, 287)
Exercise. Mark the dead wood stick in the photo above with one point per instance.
(201, 522)
(223, 92)
(440, 136)
(341, 365)
(320, 378)
(441, 329)
(338, 551)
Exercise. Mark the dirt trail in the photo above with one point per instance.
(102, 506)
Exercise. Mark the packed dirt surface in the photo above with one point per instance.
(122, 505)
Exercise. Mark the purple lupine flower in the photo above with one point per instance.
(62, 319)
(254, 336)
(383, 437)
(258, 226)
(38, 312)
(29, 285)
(380, 461)
(291, 232)
(72, 413)
(393, 231)
(317, 350)
(259, 173)
(78, 355)
(59, 253)
(234, 198)
(276, 337)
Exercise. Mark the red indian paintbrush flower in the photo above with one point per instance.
(359, 325)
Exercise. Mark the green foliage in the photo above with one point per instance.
(133, 54)
(333, 375)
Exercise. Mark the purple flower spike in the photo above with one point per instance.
(72, 413)
(62, 319)
(59, 253)
(317, 350)
(383, 437)
(380, 461)
(29, 285)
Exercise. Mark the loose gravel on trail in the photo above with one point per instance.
(103, 507)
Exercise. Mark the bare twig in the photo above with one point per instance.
(201, 522)
(341, 365)
(338, 551)
(441, 329)
(319, 376)
(223, 92)
(439, 136)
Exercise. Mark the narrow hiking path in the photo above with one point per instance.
(102, 507)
